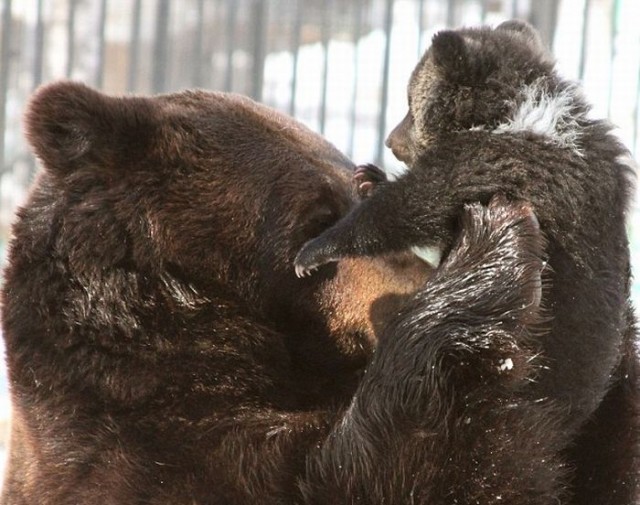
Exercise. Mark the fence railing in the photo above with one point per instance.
(287, 53)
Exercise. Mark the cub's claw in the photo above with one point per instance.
(304, 272)
(312, 256)
(366, 178)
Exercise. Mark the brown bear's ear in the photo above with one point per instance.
(70, 125)
(450, 55)
(525, 30)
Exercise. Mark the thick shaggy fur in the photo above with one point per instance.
(162, 351)
(488, 114)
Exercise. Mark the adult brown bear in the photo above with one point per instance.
(162, 351)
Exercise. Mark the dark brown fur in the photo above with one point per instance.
(161, 350)
(461, 147)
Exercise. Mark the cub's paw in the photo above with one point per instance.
(314, 254)
(366, 178)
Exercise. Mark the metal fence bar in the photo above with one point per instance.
(513, 10)
(382, 118)
(295, 53)
(543, 15)
(5, 63)
(196, 77)
(483, 11)
(451, 12)
(134, 45)
(258, 25)
(232, 12)
(636, 120)
(102, 22)
(420, 27)
(161, 47)
(584, 39)
(38, 58)
(326, 34)
(357, 33)
(71, 37)
(213, 38)
(612, 55)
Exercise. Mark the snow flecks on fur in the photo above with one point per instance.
(552, 115)
(506, 365)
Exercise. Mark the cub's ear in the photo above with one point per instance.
(524, 30)
(450, 54)
(70, 125)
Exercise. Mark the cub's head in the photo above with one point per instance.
(469, 78)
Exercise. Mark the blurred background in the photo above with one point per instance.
(340, 66)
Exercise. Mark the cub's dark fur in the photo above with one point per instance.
(488, 113)
(161, 350)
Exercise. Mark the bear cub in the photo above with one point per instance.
(488, 113)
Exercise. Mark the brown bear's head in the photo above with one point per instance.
(211, 187)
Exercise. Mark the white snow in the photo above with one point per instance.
(506, 364)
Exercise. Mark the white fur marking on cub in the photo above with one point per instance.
(551, 115)
(430, 254)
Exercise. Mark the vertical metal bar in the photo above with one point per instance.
(232, 12)
(214, 41)
(636, 120)
(259, 25)
(197, 50)
(483, 11)
(420, 27)
(38, 58)
(544, 16)
(584, 38)
(295, 50)
(102, 21)
(612, 56)
(382, 118)
(71, 37)
(451, 13)
(357, 33)
(327, 6)
(5, 62)
(636, 127)
(134, 45)
(514, 9)
(161, 47)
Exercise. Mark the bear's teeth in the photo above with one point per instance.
(429, 254)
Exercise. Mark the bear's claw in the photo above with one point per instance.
(312, 256)
(366, 178)
(304, 271)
